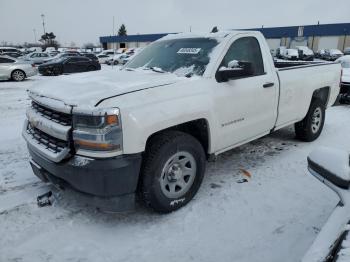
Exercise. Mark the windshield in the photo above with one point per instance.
(185, 57)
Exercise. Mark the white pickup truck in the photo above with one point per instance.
(148, 129)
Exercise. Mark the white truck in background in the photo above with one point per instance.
(148, 129)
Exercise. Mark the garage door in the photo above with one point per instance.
(274, 43)
(327, 42)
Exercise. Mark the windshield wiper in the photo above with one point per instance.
(154, 69)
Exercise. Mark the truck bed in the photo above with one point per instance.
(281, 64)
(300, 79)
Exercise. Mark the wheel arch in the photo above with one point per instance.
(198, 128)
(322, 94)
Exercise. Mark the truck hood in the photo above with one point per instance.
(88, 89)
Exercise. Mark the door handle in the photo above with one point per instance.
(270, 84)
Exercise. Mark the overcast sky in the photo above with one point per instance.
(83, 21)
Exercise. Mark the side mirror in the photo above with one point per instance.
(332, 165)
(234, 69)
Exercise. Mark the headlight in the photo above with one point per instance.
(98, 134)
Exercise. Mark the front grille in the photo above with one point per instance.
(58, 117)
(49, 142)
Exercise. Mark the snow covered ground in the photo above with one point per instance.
(274, 216)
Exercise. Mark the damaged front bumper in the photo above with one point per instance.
(109, 184)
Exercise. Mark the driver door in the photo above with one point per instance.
(69, 65)
(5, 71)
(246, 106)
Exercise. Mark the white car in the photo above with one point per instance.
(113, 60)
(307, 53)
(345, 63)
(110, 52)
(333, 54)
(17, 70)
(345, 79)
(291, 54)
(280, 51)
(102, 58)
(8, 49)
(148, 128)
(37, 57)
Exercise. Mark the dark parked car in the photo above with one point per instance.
(12, 54)
(73, 64)
(90, 55)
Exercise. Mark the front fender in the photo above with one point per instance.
(149, 111)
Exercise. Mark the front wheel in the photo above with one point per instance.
(310, 128)
(172, 171)
(18, 75)
(91, 68)
(57, 71)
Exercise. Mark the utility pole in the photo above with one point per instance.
(34, 31)
(43, 18)
(190, 28)
(114, 46)
(113, 32)
(344, 39)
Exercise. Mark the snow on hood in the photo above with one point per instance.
(87, 89)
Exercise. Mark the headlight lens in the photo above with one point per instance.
(98, 134)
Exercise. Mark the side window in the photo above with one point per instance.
(84, 59)
(4, 60)
(246, 49)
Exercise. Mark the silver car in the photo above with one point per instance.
(37, 57)
(15, 69)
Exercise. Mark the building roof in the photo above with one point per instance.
(268, 32)
(307, 30)
(132, 38)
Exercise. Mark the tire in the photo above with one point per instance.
(115, 62)
(164, 186)
(57, 71)
(18, 75)
(344, 99)
(310, 128)
(91, 68)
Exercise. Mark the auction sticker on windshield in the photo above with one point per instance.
(191, 51)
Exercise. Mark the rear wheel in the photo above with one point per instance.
(91, 68)
(310, 128)
(172, 171)
(18, 75)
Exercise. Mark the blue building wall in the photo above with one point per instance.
(308, 30)
(269, 32)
